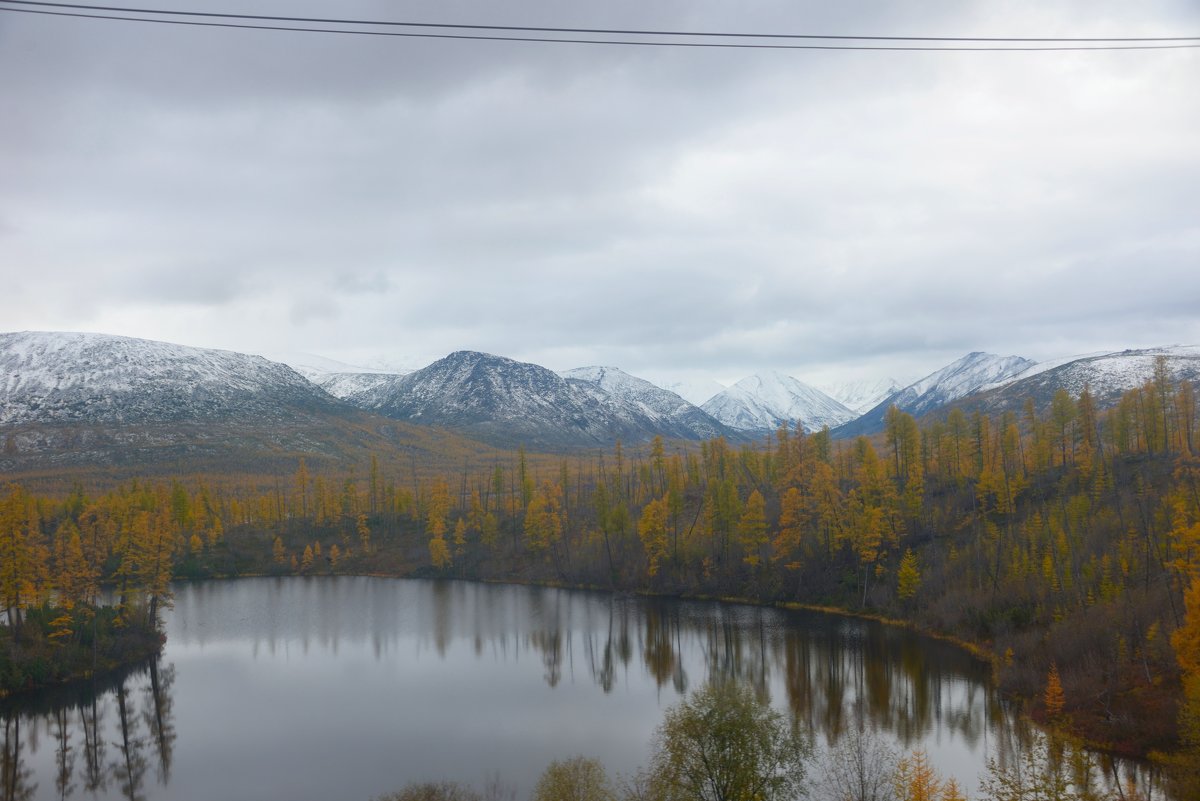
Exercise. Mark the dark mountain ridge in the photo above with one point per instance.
(505, 402)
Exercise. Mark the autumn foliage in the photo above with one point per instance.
(1066, 541)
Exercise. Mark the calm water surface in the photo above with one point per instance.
(348, 688)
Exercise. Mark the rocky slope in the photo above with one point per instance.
(506, 402)
(647, 406)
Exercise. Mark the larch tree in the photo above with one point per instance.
(652, 530)
(543, 518)
(916, 779)
(18, 554)
(1054, 698)
(156, 562)
(752, 530)
(908, 576)
(364, 533)
(437, 508)
(439, 552)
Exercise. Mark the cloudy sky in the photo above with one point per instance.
(678, 212)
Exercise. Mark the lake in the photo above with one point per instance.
(351, 687)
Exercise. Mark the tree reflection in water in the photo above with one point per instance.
(75, 719)
(18, 784)
(836, 676)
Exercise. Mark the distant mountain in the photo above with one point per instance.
(505, 402)
(645, 405)
(344, 385)
(339, 379)
(133, 407)
(695, 392)
(956, 380)
(1106, 375)
(764, 401)
(94, 399)
(862, 396)
(98, 378)
(315, 368)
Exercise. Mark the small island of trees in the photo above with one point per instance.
(87, 600)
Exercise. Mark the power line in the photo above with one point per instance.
(612, 31)
(198, 19)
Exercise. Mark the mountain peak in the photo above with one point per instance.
(504, 401)
(474, 356)
(768, 399)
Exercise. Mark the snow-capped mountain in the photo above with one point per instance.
(99, 378)
(764, 401)
(116, 398)
(344, 385)
(137, 406)
(1106, 375)
(339, 379)
(505, 402)
(641, 401)
(862, 396)
(954, 381)
(958, 379)
(315, 367)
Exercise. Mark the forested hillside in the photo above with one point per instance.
(1065, 545)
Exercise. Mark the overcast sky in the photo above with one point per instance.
(679, 213)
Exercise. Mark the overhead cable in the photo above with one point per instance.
(507, 33)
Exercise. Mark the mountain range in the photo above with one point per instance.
(70, 398)
(941, 387)
(70, 401)
(506, 402)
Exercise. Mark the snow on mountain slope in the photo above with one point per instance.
(317, 368)
(506, 402)
(862, 396)
(766, 400)
(952, 382)
(496, 399)
(1106, 375)
(344, 385)
(957, 379)
(670, 414)
(99, 378)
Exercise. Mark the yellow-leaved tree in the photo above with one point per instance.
(543, 518)
(752, 529)
(908, 576)
(916, 779)
(652, 529)
(1054, 698)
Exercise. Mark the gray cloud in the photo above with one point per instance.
(669, 211)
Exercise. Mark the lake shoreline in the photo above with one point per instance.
(979, 651)
(43, 666)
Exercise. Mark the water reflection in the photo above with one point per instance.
(103, 737)
(274, 681)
